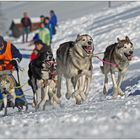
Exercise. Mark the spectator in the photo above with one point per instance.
(53, 20)
(26, 24)
(42, 17)
(35, 50)
(41, 51)
(35, 38)
(49, 26)
(44, 34)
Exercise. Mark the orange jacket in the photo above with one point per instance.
(7, 56)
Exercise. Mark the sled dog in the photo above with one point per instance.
(119, 55)
(7, 88)
(45, 89)
(74, 62)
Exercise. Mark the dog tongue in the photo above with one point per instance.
(89, 49)
(130, 57)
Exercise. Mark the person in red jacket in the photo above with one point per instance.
(33, 54)
(35, 51)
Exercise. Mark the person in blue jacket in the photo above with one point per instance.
(49, 26)
(53, 20)
(36, 37)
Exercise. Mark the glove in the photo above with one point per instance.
(14, 63)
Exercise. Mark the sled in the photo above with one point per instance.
(20, 100)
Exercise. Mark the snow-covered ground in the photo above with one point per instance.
(95, 118)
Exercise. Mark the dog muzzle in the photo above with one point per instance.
(128, 56)
(88, 49)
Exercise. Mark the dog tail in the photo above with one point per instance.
(102, 69)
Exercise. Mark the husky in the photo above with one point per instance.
(44, 89)
(7, 88)
(74, 62)
(119, 56)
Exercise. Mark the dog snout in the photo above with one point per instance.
(89, 42)
(131, 52)
(4, 88)
(50, 58)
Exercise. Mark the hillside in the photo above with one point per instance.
(96, 117)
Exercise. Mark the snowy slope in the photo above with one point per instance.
(95, 118)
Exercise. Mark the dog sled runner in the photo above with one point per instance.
(8, 82)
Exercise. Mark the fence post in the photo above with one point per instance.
(109, 4)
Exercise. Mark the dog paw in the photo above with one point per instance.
(43, 108)
(36, 108)
(105, 91)
(12, 105)
(20, 108)
(78, 102)
(121, 93)
(78, 99)
(115, 93)
(58, 95)
(68, 96)
(83, 96)
(26, 107)
(56, 99)
(5, 112)
(33, 105)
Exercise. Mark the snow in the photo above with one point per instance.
(96, 117)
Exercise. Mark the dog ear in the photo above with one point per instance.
(120, 44)
(78, 37)
(118, 40)
(127, 39)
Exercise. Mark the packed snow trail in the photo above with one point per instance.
(96, 117)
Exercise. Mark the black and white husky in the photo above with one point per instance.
(45, 88)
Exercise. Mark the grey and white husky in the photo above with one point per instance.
(119, 55)
(74, 62)
(7, 87)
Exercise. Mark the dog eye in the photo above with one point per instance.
(84, 40)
